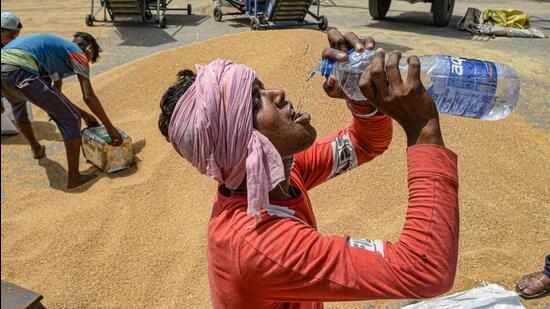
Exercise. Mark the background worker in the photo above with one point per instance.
(29, 64)
(11, 27)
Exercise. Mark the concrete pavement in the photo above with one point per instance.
(408, 27)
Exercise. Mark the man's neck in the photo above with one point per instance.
(281, 191)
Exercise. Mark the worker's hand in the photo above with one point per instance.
(406, 101)
(339, 45)
(90, 120)
(116, 138)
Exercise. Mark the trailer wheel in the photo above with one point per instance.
(254, 24)
(442, 12)
(146, 16)
(324, 23)
(162, 21)
(263, 19)
(89, 20)
(217, 14)
(379, 8)
(110, 12)
(188, 8)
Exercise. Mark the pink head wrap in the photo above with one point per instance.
(211, 127)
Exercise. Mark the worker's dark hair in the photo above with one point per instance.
(91, 42)
(19, 26)
(170, 98)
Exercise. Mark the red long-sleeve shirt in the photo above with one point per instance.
(282, 261)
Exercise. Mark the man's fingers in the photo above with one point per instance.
(413, 74)
(366, 85)
(328, 86)
(334, 54)
(337, 40)
(117, 139)
(331, 82)
(392, 69)
(331, 87)
(378, 74)
(116, 142)
(353, 41)
(369, 43)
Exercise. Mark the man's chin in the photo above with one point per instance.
(310, 139)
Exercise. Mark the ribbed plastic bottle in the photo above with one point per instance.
(459, 86)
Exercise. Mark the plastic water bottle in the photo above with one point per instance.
(458, 86)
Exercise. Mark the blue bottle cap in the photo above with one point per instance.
(328, 65)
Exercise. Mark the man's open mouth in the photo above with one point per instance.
(297, 116)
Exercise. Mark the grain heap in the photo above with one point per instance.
(137, 239)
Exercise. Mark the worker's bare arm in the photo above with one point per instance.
(95, 106)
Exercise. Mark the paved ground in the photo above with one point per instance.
(405, 23)
(135, 40)
(408, 27)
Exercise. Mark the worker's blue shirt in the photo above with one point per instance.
(54, 56)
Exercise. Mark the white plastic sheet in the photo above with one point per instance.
(8, 127)
(490, 296)
(473, 22)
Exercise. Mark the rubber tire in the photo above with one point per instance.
(89, 20)
(147, 16)
(217, 14)
(162, 22)
(110, 14)
(379, 8)
(442, 11)
(189, 9)
(324, 23)
(255, 24)
(143, 11)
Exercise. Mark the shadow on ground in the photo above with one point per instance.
(44, 131)
(244, 22)
(540, 23)
(421, 22)
(57, 174)
(134, 32)
(332, 4)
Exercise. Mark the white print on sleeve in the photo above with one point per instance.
(344, 157)
(371, 245)
(283, 212)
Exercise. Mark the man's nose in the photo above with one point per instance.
(278, 96)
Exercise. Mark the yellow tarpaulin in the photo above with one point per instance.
(506, 18)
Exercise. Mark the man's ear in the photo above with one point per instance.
(89, 52)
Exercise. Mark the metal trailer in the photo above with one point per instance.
(265, 14)
(148, 10)
(442, 10)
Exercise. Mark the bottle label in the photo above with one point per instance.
(468, 90)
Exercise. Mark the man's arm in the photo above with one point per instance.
(58, 84)
(360, 142)
(310, 267)
(95, 106)
(292, 262)
(363, 140)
